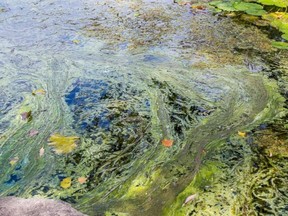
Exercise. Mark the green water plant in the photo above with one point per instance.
(278, 20)
(260, 15)
(278, 3)
(247, 7)
(280, 44)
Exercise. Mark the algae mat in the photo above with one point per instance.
(115, 106)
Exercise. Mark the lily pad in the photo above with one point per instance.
(278, 20)
(256, 12)
(250, 8)
(280, 45)
(244, 6)
(226, 6)
(285, 36)
(278, 3)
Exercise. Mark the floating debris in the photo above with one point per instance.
(66, 182)
(63, 144)
(41, 152)
(242, 134)
(39, 92)
(167, 142)
(82, 180)
(26, 116)
(33, 133)
(189, 199)
(13, 161)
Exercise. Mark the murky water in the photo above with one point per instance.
(123, 76)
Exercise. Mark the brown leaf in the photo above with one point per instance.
(39, 92)
(33, 133)
(198, 7)
(167, 142)
(26, 116)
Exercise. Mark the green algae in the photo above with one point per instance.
(199, 93)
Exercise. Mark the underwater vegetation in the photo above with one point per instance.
(260, 13)
(141, 108)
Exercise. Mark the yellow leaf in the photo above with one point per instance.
(76, 41)
(13, 161)
(242, 134)
(39, 92)
(63, 144)
(66, 182)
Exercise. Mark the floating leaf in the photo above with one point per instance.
(256, 12)
(167, 142)
(278, 20)
(249, 8)
(285, 36)
(33, 133)
(63, 144)
(242, 134)
(249, 18)
(66, 182)
(280, 45)
(76, 41)
(13, 161)
(182, 2)
(198, 7)
(41, 152)
(244, 6)
(26, 116)
(39, 92)
(189, 199)
(82, 180)
(226, 6)
(278, 3)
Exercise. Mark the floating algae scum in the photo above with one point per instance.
(89, 89)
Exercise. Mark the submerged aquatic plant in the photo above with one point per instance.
(260, 15)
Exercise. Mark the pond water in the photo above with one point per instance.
(94, 93)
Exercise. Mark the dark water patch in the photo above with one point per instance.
(183, 113)
(13, 179)
(113, 117)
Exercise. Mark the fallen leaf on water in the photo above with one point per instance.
(33, 133)
(242, 134)
(198, 7)
(167, 142)
(13, 161)
(63, 144)
(26, 116)
(82, 180)
(66, 182)
(76, 41)
(39, 92)
(41, 152)
(182, 2)
(189, 199)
